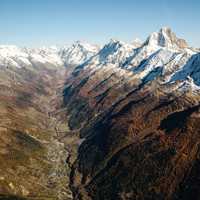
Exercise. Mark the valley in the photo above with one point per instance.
(84, 122)
(35, 149)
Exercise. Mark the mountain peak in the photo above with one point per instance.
(137, 42)
(78, 52)
(114, 52)
(112, 46)
(165, 37)
(165, 29)
(84, 46)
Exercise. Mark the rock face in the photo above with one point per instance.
(166, 38)
(137, 109)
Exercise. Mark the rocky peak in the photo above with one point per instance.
(166, 38)
(111, 47)
(78, 52)
(115, 52)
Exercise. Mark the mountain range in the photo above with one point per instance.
(90, 122)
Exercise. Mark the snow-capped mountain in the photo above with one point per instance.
(74, 54)
(12, 56)
(166, 38)
(78, 52)
(137, 107)
(113, 53)
(163, 54)
(163, 62)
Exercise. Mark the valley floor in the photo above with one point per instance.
(36, 147)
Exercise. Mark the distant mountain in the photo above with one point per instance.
(74, 54)
(78, 52)
(23, 57)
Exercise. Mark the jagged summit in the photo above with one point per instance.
(165, 37)
(78, 52)
(111, 47)
(114, 52)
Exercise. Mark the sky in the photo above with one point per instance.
(57, 22)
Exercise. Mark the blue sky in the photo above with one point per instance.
(49, 22)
